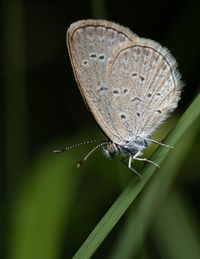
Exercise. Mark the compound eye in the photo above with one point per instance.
(112, 150)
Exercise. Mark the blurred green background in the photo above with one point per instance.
(48, 206)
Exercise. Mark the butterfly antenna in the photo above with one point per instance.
(75, 146)
(90, 153)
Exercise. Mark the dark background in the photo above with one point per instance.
(42, 109)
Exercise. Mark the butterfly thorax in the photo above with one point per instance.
(130, 148)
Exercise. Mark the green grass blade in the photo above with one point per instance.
(134, 187)
(140, 217)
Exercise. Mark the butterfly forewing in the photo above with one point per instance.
(93, 45)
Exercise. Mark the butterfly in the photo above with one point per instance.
(130, 85)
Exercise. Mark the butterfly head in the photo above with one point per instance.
(130, 148)
(111, 150)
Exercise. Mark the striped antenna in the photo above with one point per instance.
(91, 152)
(76, 145)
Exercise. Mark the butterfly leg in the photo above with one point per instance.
(133, 170)
(159, 143)
(139, 153)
